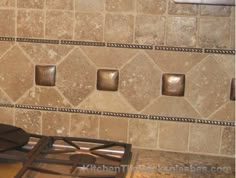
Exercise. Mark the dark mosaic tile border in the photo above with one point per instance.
(132, 46)
(31, 40)
(82, 43)
(117, 114)
(179, 49)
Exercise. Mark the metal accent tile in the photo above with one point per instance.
(82, 43)
(133, 46)
(6, 105)
(45, 75)
(220, 51)
(232, 90)
(179, 49)
(173, 84)
(7, 39)
(107, 80)
(140, 116)
(82, 111)
(30, 40)
(43, 108)
(176, 119)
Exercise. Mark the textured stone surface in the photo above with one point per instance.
(120, 6)
(217, 10)
(7, 21)
(6, 115)
(151, 6)
(182, 9)
(4, 46)
(89, 5)
(225, 113)
(36, 4)
(227, 63)
(228, 141)
(3, 97)
(59, 4)
(7, 3)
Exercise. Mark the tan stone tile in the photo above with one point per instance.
(46, 53)
(89, 26)
(109, 57)
(181, 31)
(86, 126)
(16, 61)
(59, 24)
(114, 129)
(4, 46)
(59, 4)
(232, 31)
(55, 124)
(37, 4)
(120, 6)
(89, 5)
(26, 19)
(6, 116)
(182, 9)
(76, 84)
(7, 21)
(3, 97)
(205, 138)
(150, 30)
(217, 10)
(219, 38)
(119, 28)
(151, 6)
(228, 141)
(30, 121)
(143, 133)
(227, 63)
(208, 86)
(7, 3)
(140, 81)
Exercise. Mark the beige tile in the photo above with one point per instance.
(89, 5)
(225, 113)
(114, 129)
(182, 9)
(76, 77)
(208, 86)
(30, 23)
(7, 3)
(109, 57)
(119, 28)
(59, 24)
(120, 6)
(59, 4)
(143, 133)
(55, 124)
(4, 46)
(30, 121)
(140, 81)
(7, 21)
(205, 138)
(228, 141)
(232, 32)
(181, 31)
(6, 115)
(227, 63)
(151, 6)
(3, 97)
(150, 30)
(36, 4)
(86, 126)
(89, 26)
(16, 61)
(219, 38)
(217, 10)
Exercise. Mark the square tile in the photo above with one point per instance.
(34, 4)
(232, 90)
(59, 4)
(151, 6)
(120, 6)
(7, 21)
(107, 80)
(45, 75)
(173, 84)
(89, 5)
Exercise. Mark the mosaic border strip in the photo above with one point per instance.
(179, 49)
(7, 39)
(133, 46)
(32, 40)
(219, 51)
(82, 43)
(118, 114)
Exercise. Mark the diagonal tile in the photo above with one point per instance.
(227, 63)
(225, 113)
(4, 46)
(3, 97)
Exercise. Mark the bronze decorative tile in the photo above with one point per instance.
(107, 80)
(232, 91)
(45, 75)
(173, 84)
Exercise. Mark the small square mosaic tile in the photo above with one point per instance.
(107, 80)
(45, 75)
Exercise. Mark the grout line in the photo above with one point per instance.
(45, 19)
(221, 137)
(189, 137)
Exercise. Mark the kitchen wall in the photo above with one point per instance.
(139, 42)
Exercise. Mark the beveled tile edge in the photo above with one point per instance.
(82, 43)
(132, 46)
(179, 49)
(33, 40)
(220, 51)
(7, 39)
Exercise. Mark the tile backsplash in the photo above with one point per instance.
(147, 91)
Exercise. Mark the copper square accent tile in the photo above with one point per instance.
(173, 84)
(107, 80)
(45, 75)
(232, 91)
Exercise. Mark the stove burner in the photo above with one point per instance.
(82, 159)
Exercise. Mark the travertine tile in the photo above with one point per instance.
(4, 46)
(36, 4)
(225, 113)
(3, 97)
(143, 133)
(7, 21)
(227, 63)
(150, 29)
(120, 6)
(76, 84)
(89, 5)
(182, 9)
(115, 129)
(30, 23)
(216, 10)
(55, 124)
(119, 28)
(89, 26)
(6, 115)
(219, 38)
(181, 31)
(86, 126)
(208, 86)
(30, 121)
(59, 24)
(151, 6)
(140, 81)
(205, 138)
(232, 32)
(59, 4)
(7, 3)
(228, 141)
(16, 61)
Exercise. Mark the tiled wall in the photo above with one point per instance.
(200, 121)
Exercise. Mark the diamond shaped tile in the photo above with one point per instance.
(107, 80)
(76, 77)
(4, 46)
(140, 81)
(3, 97)
(16, 71)
(45, 75)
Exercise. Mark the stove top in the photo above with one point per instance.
(63, 157)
